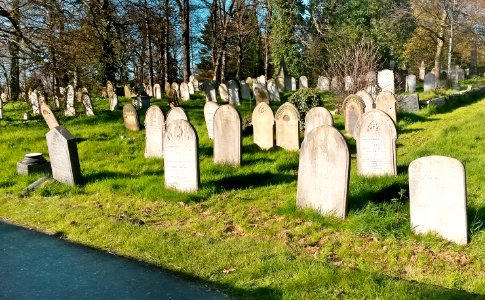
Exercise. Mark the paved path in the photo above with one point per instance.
(38, 266)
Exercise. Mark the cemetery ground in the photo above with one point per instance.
(242, 232)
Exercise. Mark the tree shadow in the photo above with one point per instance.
(252, 180)
(386, 194)
(458, 100)
(106, 175)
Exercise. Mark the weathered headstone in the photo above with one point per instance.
(354, 108)
(323, 83)
(408, 103)
(190, 86)
(335, 84)
(372, 90)
(261, 79)
(317, 116)
(274, 95)
(227, 136)
(127, 91)
(86, 100)
(429, 82)
(260, 93)
(293, 83)
(154, 130)
(287, 121)
(176, 113)
(3, 97)
(437, 194)
(184, 92)
(191, 78)
(410, 83)
(149, 90)
(371, 77)
(157, 91)
(263, 126)
(385, 80)
(63, 156)
(48, 115)
(386, 102)
(223, 92)
(70, 110)
(348, 83)
(34, 102)
(209, 111)
(210, 90)
(130, 118)
(113, 98)
(176, 88)
(195, 82)
(367, 98)
(303, 82)
(245, 91)
(233, 92)
(422, 71)
(181, 156)
(323, 172)
(375, 135)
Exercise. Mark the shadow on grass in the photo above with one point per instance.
(249, 181)
(476, 220)
(105, 175)
(384, 194)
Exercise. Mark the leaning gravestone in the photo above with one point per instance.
(223, 92)
(386, 102)
(190, 86)
(227, 136)
(245, 91)
(260, 93)
(113, 98)
(181, 157)
(48, 115)
(233, 92)
(385, 80)
(323, 172)
(375, 135)
(209, 111)
(210, 90)
(87, 103)
(130, 118)
(287, 121)
(367, 98)
(154, 129)
(184, 92)
(176, 113)
(157, 91)
(263, 126)
(70, 110)
(353, 109)
(323, 83)
(437, 194)
(408, 103)
(303, 82)
(410, 83)
(63, 156)
(274, 95)
(429, 82)
(317, 116)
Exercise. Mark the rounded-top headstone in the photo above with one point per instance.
(367, 98)
(263, 126)
(260, 93)
(233, 92)
(317, 116)
(210, 90)
(386, 102)
(223, 93)
(287, 119)
(209, 111)
(130, 117)
(353, 108)
(303, 82)
(176, 113)
(227, 136)
(184, 92)
(154, 130)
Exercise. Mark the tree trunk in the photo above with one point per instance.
(14, 50)
(439, 45)
(185, 18)
(450, 45)
(149, 44)
(165, 42)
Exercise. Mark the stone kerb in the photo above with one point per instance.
(323, 172)
(375, 135)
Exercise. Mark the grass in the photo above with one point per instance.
(242, 232)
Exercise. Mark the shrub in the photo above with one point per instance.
(304, 100)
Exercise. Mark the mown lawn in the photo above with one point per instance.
(242, 232)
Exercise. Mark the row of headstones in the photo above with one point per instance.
(37, 100)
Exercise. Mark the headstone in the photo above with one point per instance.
(3, 97)
(375, 135)
(408, 103)
(141, 101)
(288, 84)
(323, 83)
(223, 93)
(287, 121)
(209, 111)
(422, 71)
(191, 78)
(429, 82)
(190, 86)
(317, 116)
(181, 157)
(167, 87)
(263, 126)
(149, 90)
(127, 91)
(410, 83)
(245, 91)
(367, 98)
(323, 172)
(176, 113)
(385, 80)
(348, 83)
(154, 130)
(274, 95)
(210, 90)
(48, 115)
(173, 98)
(184, 92)
(157, 91)
(63, 156)
(79, 95)
(176, 88)
(86, 100)
(437, 194)
(335, 84)
(260, 93)
(33, 163)
(34, 102)
(249, 82)
(233, 92)
(195, 82)
(261, 79)
(227, 136)
(303, 82)
(113, 98)
(130, 118)
(354, 108)
(70, 110)
(371, 77)
(386, 102)
(281, 79)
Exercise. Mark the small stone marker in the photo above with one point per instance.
(323, 83)
(437, 194)
(323, 172)
(33, 163)
(303, 82)
(293, 83)
(367, 98)
(274, 95)
(410, 83)
(209, 111)
(287, 121)
(263, 126)
(245, 91)
(227, 136)
(233, 92)
(130, 118)
(48, 115)
(63, 156)
(429, 82)
(181, 156)
(113, 98)
(157, 91)
(261, 79)
(317, 116)
(176, 113)
(70, 110)
(375, 135)
(88, 106)
(184, 92)
(210, 90)
(154, 130)
(223, 92)
(385, 80)
(386, 102)
(354, 108)
(260, 93)
(190, 86)
(408, 103)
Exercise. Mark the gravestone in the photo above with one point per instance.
(86, 100)
(335, 84)
(176, 88)
(293, 83)
(127, 91)
(263, 126)
(227, 136)
(184, 92)
(190, 86)
(195, 82)
(130, 118)
(48, 115)
(287, 121)
(375, 135)
(173, 98)
(437, 194)
(261, 79)
(34, 102)
(429, 82)
(260, 93)
(70, 110)
(149, 90)
(303, 82)
(422, 71)
(323, 172)
(385, 80)
(191, 78)
(245, 91)
(167, 87)
(157, 91)
(79, 95)
(113, 98)
(176, 113)
(209, 111)
(288, 84)
(233, 92)
(410, 83)
(154, 130)
(348, 83)
(386, 102)
(354, 108)
(367, 98)
(274, 95)
(323, 83)
(223, 92)
(408, 103)
(63, 156)
(371, 77)
(181, 157)
(317, 116)
(3, 97)
(210, 90)
(249, 82)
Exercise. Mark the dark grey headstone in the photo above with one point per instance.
(64, 156)
(408, 103)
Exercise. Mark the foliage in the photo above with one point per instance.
(304, 100)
